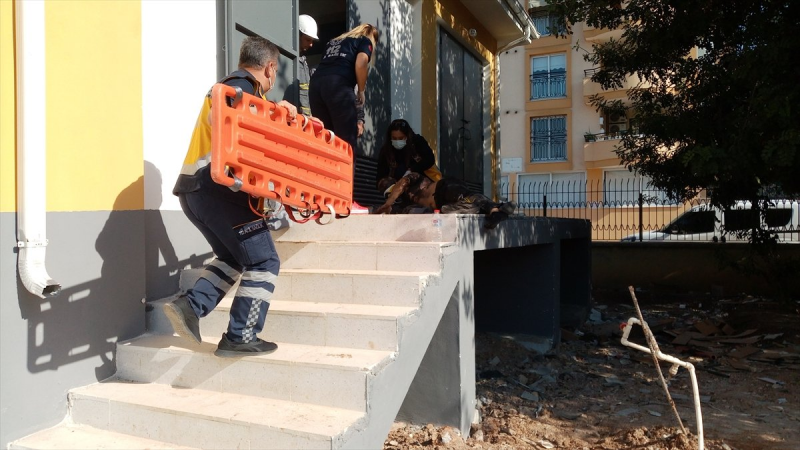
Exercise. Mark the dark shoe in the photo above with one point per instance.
(183, 319)
(508, 207)
(230, 349)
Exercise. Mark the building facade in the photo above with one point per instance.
(557, 152)
(551, 133)
(97, 104)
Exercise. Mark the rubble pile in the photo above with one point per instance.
(593, 393)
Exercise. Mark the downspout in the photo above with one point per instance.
(525, 38)
(524, 19)
(31, 149)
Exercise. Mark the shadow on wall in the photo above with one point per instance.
(161, 264)
(378, 96)
(86, 320)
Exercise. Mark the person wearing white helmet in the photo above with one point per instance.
(308, 34)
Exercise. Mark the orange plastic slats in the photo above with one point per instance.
(295, 164)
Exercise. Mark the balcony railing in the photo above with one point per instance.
(594, 137)
(546, 151)
(549, 85)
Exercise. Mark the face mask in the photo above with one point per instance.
(399, 144)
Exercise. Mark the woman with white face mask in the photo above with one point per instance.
(405, 152)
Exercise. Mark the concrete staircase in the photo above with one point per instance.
(356, 305)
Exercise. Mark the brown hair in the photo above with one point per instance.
(368, 31)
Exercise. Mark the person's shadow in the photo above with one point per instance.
(162, 279)
(87, 319)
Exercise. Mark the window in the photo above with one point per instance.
(545, 23)
(549, 76)
(740, 220)
(549, 138)
(559, 190)
(693, 222)
(778, 217)
(622, 188)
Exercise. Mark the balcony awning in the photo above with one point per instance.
(507, 20)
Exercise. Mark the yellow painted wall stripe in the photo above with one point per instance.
(457, 17)
(94, 105)
(7, 109)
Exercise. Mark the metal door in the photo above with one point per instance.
(460, 113)
(275, 20)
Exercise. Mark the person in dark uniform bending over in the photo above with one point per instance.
(338, 85)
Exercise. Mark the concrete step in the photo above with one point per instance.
(361, 255)
(366, 287)
(372, 327)
(362, 286)
(207, 419)
(328, 376)
(373, 227)
(72, 436)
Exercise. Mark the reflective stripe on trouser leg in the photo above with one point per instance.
(215, 281)
(249, 309)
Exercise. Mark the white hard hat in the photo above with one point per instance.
(308, 26)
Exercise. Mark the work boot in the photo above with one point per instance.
(230, 349)
(183, 318)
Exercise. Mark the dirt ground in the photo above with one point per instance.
(594, 393)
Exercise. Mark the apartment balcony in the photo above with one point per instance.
(591, 88)
(598, 150)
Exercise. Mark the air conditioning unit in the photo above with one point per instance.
(616, 117)
(617, 128)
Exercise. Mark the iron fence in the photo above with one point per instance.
(633, 210)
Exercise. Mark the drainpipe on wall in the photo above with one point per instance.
(31, 150)
(529, 35)
(524, 19)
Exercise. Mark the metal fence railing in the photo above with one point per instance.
(633, 210)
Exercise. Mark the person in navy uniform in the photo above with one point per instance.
(242, 245)
(338, 84)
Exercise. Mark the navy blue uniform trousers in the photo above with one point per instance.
(243, 246)
(334, 103)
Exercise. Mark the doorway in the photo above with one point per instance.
(461, 102)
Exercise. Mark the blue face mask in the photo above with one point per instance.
(399, 144)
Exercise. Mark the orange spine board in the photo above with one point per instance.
(254, 145)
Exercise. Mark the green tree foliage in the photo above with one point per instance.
(727, 121)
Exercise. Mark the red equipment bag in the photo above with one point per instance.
(256, 149)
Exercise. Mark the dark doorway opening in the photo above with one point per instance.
(460, 112)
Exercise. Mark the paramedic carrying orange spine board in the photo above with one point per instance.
(257, 150)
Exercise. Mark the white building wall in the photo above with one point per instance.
(406, 63)
(178, 69)
(513, 142)
(584, 118)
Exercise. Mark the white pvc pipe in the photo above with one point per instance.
(673, 360)
(31, 149)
